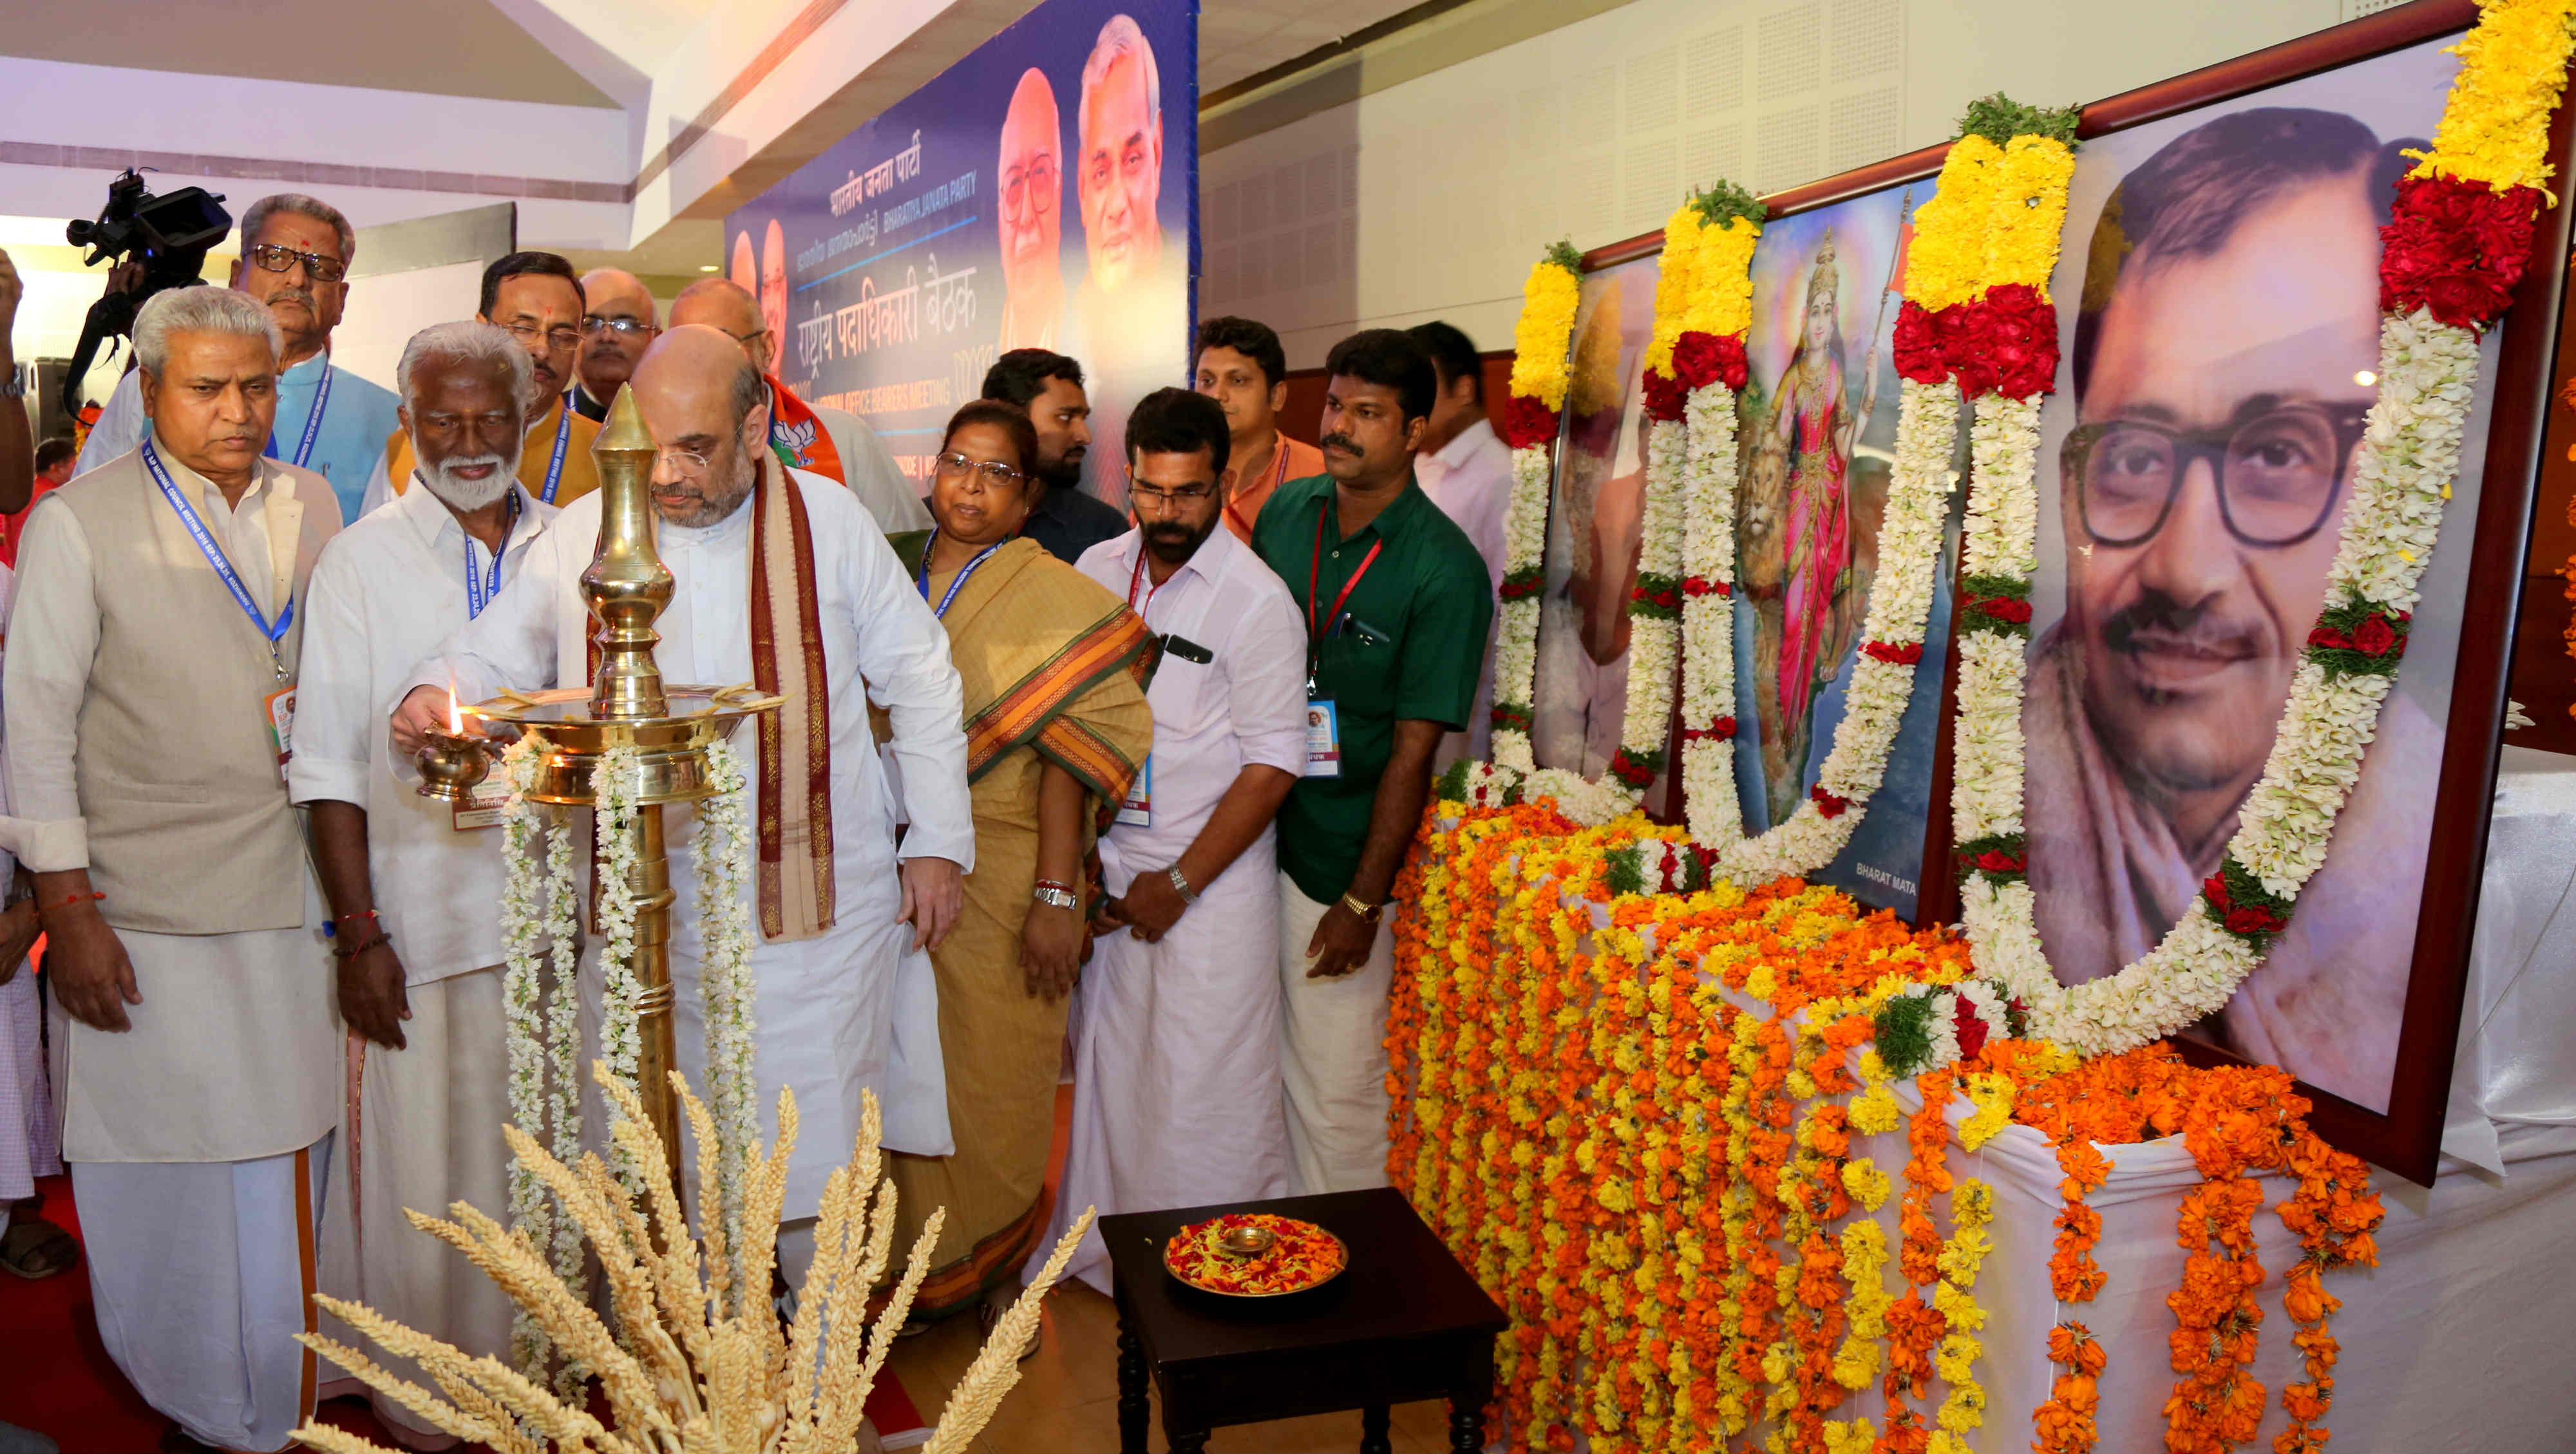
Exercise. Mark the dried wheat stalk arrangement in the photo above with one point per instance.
(698, 1363)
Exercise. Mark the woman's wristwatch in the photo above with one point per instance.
(1056, 894)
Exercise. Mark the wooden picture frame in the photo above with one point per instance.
(2405, 1139)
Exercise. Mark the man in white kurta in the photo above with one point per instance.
(194, 1042)
(415, 884)
(852, 1008)
(1176, 1091)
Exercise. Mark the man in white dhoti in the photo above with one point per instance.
(1176, 1099)
(151, 666)
(780, 579)
(415, 885)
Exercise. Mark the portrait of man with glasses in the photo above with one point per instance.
(2223, 347)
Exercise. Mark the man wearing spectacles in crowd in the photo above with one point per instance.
(815, 437)
(1179, 1009)
(2222, 372)
(615, 331)
(296, 253)
(536, 298)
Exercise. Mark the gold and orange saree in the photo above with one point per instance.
(1055, 670)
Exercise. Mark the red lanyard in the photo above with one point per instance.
(1314, 570)
(1278, 474)
(1139, 579)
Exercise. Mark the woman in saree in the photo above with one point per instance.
(1054, 669)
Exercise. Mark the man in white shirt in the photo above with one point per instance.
(415, 885)
(846, 998)
(815, 438)
(1467, 472)
(1176, 1098)
(151, 664)
(296, 254)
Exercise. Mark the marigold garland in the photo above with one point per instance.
(1636, 1116)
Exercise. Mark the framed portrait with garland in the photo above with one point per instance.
(2095, 684)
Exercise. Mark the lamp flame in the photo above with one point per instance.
(455, 711)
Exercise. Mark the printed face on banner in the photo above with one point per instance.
(2218, 292)
(912, 253)
(1031, 214)
(1122, 159)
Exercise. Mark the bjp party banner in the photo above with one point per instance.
(1040, 193)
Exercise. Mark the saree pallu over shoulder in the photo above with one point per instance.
(1051, 660)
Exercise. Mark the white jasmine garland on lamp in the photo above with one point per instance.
(613, 820)
(725, 986)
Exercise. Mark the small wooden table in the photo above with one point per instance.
(1403, 1322)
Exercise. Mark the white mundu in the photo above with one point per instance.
(1176, 1043)
(421, 1126)
(139, 749)
(849, 1009)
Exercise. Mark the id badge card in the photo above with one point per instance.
(483, 805)
(280, 706)
(1323, 739)
(1138, 810)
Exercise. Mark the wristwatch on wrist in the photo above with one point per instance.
(1055, 895)
(1368, 912)
(1181, 885)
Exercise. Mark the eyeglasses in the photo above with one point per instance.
(2277, 474)
(556, 338)
(278, 259)
(1162, 499)
(988, 473)
(623, 327)
(1039, 178)
(686, 461)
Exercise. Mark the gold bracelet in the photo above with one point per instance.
(1367, 912)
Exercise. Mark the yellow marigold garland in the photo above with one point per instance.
(1540, 359)
(2495, 126)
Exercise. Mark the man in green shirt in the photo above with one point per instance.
(1397, 605)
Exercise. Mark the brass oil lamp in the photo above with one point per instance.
(627, 705)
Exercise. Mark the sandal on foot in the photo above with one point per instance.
(34, 1249)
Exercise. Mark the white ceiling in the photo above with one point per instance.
(601, 54)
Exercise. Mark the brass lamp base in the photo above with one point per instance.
(671, 750)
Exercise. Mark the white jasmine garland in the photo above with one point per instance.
(725, 985)
(613, 782)
(526, 909)
(1516, 647)
(1708, 619)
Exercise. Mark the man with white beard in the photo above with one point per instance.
(415, 885)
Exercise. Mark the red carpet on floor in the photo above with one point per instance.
(56, 1377)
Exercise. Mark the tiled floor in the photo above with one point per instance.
(1067, 1398)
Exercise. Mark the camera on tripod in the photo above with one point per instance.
(168, 235)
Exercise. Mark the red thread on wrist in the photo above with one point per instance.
(43, 909)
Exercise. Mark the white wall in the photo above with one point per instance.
(1432, 197)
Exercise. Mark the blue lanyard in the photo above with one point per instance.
(959, 584)
(223, 568)
(478, 592)
(312, 422)
(554, 467)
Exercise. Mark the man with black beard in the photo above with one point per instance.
(1048, 387)
(412, 882)
(1176, 1097)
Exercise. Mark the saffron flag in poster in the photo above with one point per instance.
(1040, 193)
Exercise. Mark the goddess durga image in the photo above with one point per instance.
(1794, 536)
